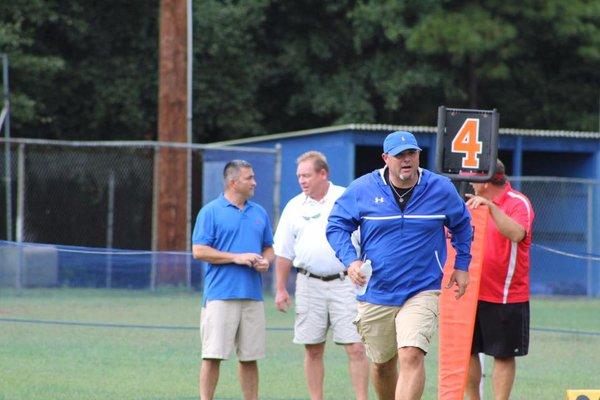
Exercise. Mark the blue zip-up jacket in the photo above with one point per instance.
(407, 249)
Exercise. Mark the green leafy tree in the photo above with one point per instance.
(31, 70)
(537, 62)
(84, 69)
(88, 69)
(555, 79)
(229, 67)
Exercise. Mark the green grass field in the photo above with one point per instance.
(112, 353)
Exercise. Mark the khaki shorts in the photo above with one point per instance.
(323, 305)
(385, 329)
(226, 325)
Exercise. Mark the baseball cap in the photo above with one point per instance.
(396, 142)
(499, 178)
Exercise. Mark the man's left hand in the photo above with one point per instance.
(261, 265)
(461, 280)
(476, 201)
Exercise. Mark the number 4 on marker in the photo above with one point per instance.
(467, 141)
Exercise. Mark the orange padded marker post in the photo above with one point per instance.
(457, 317)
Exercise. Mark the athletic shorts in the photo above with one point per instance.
(501, 330)
(226, 325)
(385, 329)
(324, 305)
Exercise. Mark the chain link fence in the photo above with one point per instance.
(565, 255)
(87, 196)
(92, 198)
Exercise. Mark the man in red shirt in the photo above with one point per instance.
(502, 321)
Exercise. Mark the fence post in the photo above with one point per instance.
(110, 216)
(590, 240)
(276, 202)
(5, 120)
(20, 214)
(154, 218)
(188, 222)
(20, 193)
(277, 185)
(518, 161)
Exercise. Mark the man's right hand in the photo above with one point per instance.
(282, 300)
(357, 277)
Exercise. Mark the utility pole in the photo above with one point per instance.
(172, 116)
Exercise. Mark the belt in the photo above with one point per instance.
(325, 278)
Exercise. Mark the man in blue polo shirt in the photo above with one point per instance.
(233, 235)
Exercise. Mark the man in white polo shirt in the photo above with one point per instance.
(324, 294)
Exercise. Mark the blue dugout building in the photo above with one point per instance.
(565, 191)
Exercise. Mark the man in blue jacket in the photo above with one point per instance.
(402, 211)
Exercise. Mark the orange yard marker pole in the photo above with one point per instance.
(457, 317)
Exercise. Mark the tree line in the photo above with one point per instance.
(86, 69)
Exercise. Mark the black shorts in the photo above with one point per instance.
(501, 330)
